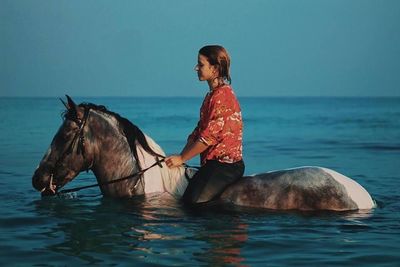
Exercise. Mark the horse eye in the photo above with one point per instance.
(69, 129)
(65, 135)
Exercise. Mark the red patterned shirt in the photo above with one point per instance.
(220, 126)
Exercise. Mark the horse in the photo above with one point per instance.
(94, 138)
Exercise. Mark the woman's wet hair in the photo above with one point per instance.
(218, 57)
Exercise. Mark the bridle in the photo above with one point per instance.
(79, 139)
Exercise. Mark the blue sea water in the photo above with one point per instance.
(359, 137)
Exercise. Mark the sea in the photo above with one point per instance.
(356, 136)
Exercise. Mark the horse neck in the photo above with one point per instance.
(160, 179)
(112, 157)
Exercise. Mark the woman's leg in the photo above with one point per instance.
(211, 180)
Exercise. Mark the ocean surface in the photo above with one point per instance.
(359, 137)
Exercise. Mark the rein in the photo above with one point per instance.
(157, 163)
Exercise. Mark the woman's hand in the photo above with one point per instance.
(191, 149)
(174, 161)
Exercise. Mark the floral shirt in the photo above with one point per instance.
(220, 126)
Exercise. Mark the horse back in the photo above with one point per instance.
(304, 188)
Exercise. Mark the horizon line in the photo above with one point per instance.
(239, 96)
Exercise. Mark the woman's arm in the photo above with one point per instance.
(190, 150)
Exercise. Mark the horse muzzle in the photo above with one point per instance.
(44, 182)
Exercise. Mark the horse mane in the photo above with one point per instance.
(132, 133)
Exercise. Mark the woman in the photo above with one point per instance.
(218, 135)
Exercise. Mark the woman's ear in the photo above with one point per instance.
(215, 69)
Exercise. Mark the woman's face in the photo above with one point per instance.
(205, 71)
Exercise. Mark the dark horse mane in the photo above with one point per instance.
(132, 133)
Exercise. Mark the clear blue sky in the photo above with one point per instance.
(149, 47)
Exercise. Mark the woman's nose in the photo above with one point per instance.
(196, 68)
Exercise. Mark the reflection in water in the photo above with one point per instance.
(225, 239)
(149, 230)
(89, 228)
(159, 230)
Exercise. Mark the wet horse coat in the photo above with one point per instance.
(304, 188)
(111, 154)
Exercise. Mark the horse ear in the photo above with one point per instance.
(71, 106)
(65, 104)
(71, 103)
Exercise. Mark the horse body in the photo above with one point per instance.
(110, 154)
(303, 188)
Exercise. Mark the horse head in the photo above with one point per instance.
(67, 155)
(92, 137)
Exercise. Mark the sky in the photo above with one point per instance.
(149, 47)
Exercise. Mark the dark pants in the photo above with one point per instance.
(211, 180)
